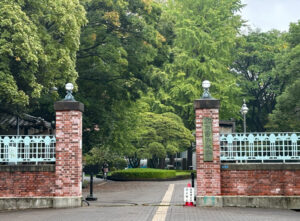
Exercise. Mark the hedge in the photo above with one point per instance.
(142, 173)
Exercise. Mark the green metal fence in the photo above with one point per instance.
(260, 147)
(27, 149)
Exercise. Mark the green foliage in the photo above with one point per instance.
(160, 134)
(204, 38)
(156, 149)
(115, 65)
(98, 156)
(140, 66)
(143, 173)
(38, 44)
(148, 174)
(186, 173)
(124, 50)
(254, 66)
(286, 115)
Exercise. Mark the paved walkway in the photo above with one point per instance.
(140, 201)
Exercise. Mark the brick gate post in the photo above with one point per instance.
(68, 169)
(208, 151)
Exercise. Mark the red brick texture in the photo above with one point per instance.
(260, 182)
(66, 180)
(208, 173)
(211, 181)
(68, 153)
(27, 184)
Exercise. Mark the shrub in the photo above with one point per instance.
(143, 173)
(185, 172)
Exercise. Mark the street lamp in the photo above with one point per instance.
(53, 89)
(244, 111)
(69, 97)
(206, 86)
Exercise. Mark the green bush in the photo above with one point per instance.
(185, 172)
(143, 173)
(182, 173)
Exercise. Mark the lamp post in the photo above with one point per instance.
(244, 111)
(53, 89)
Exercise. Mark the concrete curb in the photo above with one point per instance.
(19, 203)
(274, 202)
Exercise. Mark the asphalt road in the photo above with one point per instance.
(140, 201)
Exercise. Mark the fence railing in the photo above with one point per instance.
(260, 147)
(30, 149)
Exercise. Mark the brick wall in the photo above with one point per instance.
(208, 173)
(27, 184)
(260, 182)
(232, 184)
(60, 180)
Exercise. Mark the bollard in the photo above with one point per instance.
(91, 197)
(193, 179)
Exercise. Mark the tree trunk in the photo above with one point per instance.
(162, 163)
(134, 162)
(172, 160)
(153, 162)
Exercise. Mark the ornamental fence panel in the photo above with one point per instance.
(27, 149)
(260, 147)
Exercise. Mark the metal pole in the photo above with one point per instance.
(91, 185)
(244, 123)
(18, 126)
(91, 197)
(193, 179)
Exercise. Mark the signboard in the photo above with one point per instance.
(207, 139)
(189, 195)
(13, 153)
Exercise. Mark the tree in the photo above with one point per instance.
(115, 63)
(96, 157)
(159, 135)
(38, 44)
(286, 115)
(254, 66)
(204, 38)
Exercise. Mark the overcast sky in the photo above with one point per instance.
(271, 14)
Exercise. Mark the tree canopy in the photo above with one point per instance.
(38, 45)
(254, 66)
(138, 65)
(286, 115)
(204, 36)
(158, 135)
(115, 62)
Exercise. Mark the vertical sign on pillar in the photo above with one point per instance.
(207, 139)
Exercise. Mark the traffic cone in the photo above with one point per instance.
(189, 203)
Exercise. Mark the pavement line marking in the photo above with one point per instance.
(162, 210)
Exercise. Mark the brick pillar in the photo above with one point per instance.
(68, 169)
(208, 152)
